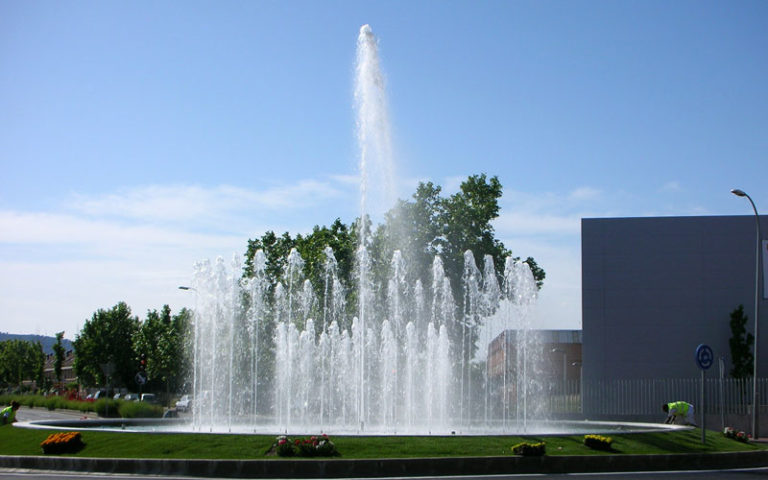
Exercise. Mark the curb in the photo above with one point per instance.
(393, 467)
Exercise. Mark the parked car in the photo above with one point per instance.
(131, 397)
(117, 396)
(92, 397)
(149, 397)
(184, 403)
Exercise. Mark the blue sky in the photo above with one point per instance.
(139, 137)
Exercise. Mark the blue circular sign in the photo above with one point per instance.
(704, 356)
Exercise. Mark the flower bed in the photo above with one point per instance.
(598, 442)
(530, 449)
(65, 442)
(314, 446)
(730, 432)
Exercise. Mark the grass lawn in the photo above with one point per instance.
(23, 441)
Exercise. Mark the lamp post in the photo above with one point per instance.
(755, 404)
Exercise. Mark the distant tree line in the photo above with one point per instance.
(110, 337)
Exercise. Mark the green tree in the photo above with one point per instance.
(467, 224)
(415, 228)
(161, 337)
(276, 250)
(107, 338)
(741, 343)
(21, 360)
(58, 356)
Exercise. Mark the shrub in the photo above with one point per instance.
(598, 442)
(530, 449)
(30, 401)
(730, 432)
(282, 447)
(64, 442)
(314, 446)
(106, 407)
(139, 410)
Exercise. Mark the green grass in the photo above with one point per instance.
(23, 441)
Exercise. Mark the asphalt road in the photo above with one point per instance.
(26, 414)
(752, 474)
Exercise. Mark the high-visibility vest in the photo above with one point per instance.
(7, 415)
(681, 408)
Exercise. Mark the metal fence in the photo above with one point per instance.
(723, 396)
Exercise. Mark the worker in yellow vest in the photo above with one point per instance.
(8, 414)
(679, 412)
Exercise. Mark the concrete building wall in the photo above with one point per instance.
(653, 289)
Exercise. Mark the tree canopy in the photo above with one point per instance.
(161, 338)
(422, 227)
(20, 360)
(107, 338)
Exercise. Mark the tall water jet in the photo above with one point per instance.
(373, 135)
(373, 128)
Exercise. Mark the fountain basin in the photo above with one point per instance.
(183, 426)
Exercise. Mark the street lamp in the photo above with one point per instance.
(755, 404)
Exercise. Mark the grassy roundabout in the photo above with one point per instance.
(23, 441)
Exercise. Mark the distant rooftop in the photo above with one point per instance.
(547, 336)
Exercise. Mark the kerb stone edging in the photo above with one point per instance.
(393, 467)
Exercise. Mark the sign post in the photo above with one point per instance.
(704, 359)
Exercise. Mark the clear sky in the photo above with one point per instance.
(138, 137)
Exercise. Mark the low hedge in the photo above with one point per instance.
(104, 407)
(139, 410)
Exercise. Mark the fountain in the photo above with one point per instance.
(409, 370)
(270, 357)
(404, 365)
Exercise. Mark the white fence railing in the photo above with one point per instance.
(646, 396)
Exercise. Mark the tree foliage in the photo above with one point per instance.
(422, 227)
(741, 343)
(162, 338)
(20, 360)
(107, 338)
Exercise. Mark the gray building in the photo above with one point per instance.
(653, 289)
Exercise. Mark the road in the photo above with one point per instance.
(26, 414)
(752, 474)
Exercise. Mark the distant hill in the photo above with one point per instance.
(45, 341)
